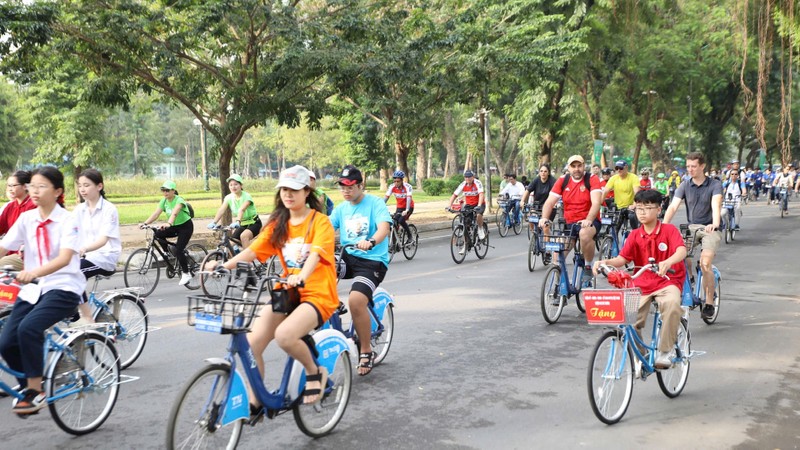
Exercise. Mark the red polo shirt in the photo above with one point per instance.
(12, 212)
(660, 244)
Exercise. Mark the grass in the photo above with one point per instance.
(136, 198)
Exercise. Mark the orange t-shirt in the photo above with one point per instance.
(304, 238)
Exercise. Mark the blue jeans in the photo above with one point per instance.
(22, 339)
(512, 208)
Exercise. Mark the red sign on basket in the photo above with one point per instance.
(604, 307)
(8, 293)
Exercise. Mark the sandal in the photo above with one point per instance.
(322, 377)
(368, 364)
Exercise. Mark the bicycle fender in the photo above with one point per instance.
(380, 299)
(330, 344)
(237, 407)
(717, 273)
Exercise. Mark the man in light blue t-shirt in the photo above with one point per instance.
(363, 220)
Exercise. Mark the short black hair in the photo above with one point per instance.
(648, 197)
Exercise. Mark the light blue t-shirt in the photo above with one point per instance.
(359, 222)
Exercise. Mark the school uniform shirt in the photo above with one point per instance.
(661, 244)
(43, 240)
(103, 221)
(360, 222)
(314, 234)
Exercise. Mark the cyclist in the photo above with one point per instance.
(19, 202)
(540, 187)
(321, 195)
(624, 185)
(243, 212)
(663, 242)
(52, 239)
(734, 189)
(768, 179)
(300, 233)
(473, 197)
(581, 194)
(784, 180)
(363, 220)
(758, 178)
(405, 203)
(514, 191)
(645, 182)
(703, 197)
(99, 222)
(605, 174)
(661, 184)
(179, 223)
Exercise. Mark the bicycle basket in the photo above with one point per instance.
(729, 204)
(221, 315)
(558, 241)
(456, 206)
(611, 306)
(8, 293)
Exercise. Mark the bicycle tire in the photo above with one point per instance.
(457, 242)
(533, 253)
(317, 420)
(456, 221)
(673, 380)
(410, 248)
(482, 245)
(502, 224)
(139, 267)
(195, 254)
(579, 301)
(5, 377)
(382, 342)
(606, 245)
(606, 371)
(90, 357)
(274, 266)
(717, 297)
(129, 316)
(518, 225)
(193, 419)
(392, 243)
(552, 302)
(213, 286)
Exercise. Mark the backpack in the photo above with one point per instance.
(586, 182)
(190, 210)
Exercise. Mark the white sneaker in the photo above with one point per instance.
(462, 250)
(664, 360)
(481, 233)
(185, 279)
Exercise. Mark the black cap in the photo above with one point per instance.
(350, 176)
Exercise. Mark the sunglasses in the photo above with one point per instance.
(165, 190)
(619, 168)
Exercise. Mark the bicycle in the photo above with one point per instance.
(144, 262)
(729, 224)
(227, 248)
(536, 243)
(612, 361)
(399, 241)
(212, 408)
(81, 371)
(465, 235)
(783, 202)
(557, 287)
(693, 295)
(506, 220)
(608, 243)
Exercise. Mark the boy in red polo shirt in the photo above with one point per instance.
(663, 242)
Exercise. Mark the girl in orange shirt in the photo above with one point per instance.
(300, 233)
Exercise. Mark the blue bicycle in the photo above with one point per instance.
(783, 202)
(536, 244)
(557, 287)
(507, 219)
(729, 225)
(608, 240)
(212, 408)
(693, 294)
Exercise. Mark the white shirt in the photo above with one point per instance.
(514, 191)
(63, 231)
(103, 221)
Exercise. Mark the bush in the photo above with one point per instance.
(452, 183)
(433, 186)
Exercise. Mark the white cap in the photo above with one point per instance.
(295, 177)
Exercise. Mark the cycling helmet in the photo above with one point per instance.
(644, 171)
(399, 174)
(606, 171)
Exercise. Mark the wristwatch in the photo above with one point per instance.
(372, 242)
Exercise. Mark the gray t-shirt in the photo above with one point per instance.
(698, 199)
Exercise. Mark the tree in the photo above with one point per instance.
(13, 145)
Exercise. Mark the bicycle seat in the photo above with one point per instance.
(106, 276)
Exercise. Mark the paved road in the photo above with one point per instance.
(474, 365)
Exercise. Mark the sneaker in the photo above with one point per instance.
(637, 368)
(547, 258)
(707, 312)
(185, 279)
(462, 250)
(664, 360)
(556, 300)
(736, 228)
(31, 402)
(481, 233)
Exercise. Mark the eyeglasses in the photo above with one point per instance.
(644, 209)
(13, 185)
(37, 187)
(344, 188)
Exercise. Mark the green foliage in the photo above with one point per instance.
(433, 186)
(451, 184)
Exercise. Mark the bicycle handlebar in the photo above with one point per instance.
(9, 275)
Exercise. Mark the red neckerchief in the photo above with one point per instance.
(43, 240)
(651, 239)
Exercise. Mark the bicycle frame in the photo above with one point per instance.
(376, 308)
(632, 340)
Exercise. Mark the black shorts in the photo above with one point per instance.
(478, 209)
(254, 228)
(575, 228)
(367, 273)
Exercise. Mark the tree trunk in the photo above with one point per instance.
(639, 141)
(449, 142)
(429, 159)
(76, 171)
(421, 156)
(401, 154)
(136, 153)
(554, 124)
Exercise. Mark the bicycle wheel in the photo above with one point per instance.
(482, 245)
(518, 225)
(717, 297)
(194, 421)
(605, 247)
(213, 286)
(317, 420)
(458, 245)
(410, 247)
(726, 226)
(456, 221)
(5, 377)
(551, 300)
(142, 270)
(533, 252)
(274, 266)
(610, 378)
(673, 380)
(502, 224)
(195, 254)
(84, 378)
(129, 317)
(392, 243)
(381, 342)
